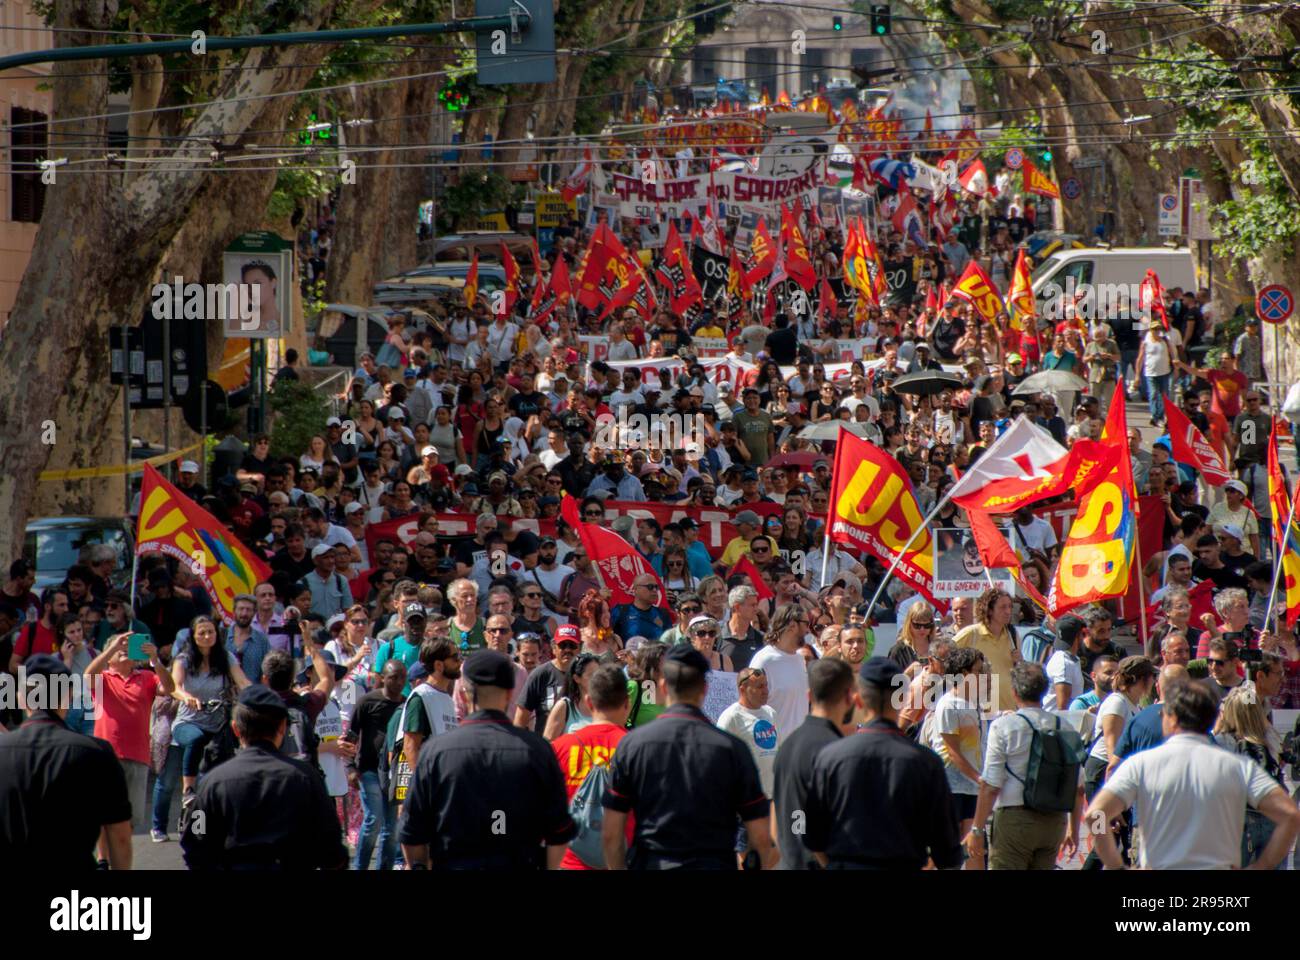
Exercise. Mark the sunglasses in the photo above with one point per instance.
(690, 609)
(706, 633)
(358, 623)
(1217, 663)
(532, 596)
(593, 513)
(567, 645)
(496, 629)
(924, 626)
(648, 586)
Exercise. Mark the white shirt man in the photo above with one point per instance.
(787, 677)
(501, 340)
(1037, 534)
(1191, 799)
(757, 729)
(462, 329)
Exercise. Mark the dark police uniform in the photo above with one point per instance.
(792, 778)
(685, 781)
(58, 788)
(488, 794)
(262, 810)
(880, 801)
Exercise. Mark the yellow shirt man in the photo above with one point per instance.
(1000, 653)
(738, 547)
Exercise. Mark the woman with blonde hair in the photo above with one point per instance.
(318, 453)
(1243, 728)
(912, 648)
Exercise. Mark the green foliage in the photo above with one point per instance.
(297, 414)
(480, 190)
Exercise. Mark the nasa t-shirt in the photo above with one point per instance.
(757, 730)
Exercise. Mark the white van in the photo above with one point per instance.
(1104, 282)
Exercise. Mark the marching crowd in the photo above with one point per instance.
(478, 700)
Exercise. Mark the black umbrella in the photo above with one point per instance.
(926, 383)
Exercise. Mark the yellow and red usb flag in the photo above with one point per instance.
(1097, 557)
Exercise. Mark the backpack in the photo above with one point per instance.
(589, 815)
(1036, 646)
(300, 740)
(1052, 775)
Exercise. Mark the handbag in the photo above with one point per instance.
(222, 746)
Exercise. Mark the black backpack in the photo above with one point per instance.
(1052, 776)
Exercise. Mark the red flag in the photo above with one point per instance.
(1191, 447)
(618, 562)
(997, 553)
(471, 282)
(977, 288)
(746, 567)
(599, 252)
(174, 525)
(1025, 465)
(1152, 294)
(1202, 598)
(576, 183)
(872, 507)
(512, 278)
(675, 273)
(539, 279)
(798, 266)
(825, 299)
(764, 253)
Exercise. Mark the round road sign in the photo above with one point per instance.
(1071, 188)
(1169, 201)
(1015, 158)
(1274, 304)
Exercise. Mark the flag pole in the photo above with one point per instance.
(1277, 569)
(1142, 585)
(898, 557)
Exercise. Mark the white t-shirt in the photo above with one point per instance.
(623, 350)
(501, 341)
(1191, 800)
(335, 535)
(551, 580)
(329, 728)
(462, 329)
(1063, 667)
(757, 730)
(1116, 705)
(438, 707)
(622, 398)
(954, 714)
(787, 684)
(1155, 357)
(1037, 534)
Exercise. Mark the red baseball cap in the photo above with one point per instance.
(568, 634)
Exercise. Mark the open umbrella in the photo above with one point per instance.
(926, 383)
(1046, 381)
(830, 430)
(803, 459)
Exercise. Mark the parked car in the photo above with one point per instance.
(461, 246)
(347, 331)
(53, 544)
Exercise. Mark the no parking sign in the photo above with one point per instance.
(1274, 303)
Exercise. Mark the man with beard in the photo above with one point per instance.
(550, 576)
(249, 644)
(1103, 673)
(429, 710)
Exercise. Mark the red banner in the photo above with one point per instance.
(1191, 447)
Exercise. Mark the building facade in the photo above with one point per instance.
(24, 111)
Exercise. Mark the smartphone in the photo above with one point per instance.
(135, 646)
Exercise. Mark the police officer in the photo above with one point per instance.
(262, 809)
(486, 795)
(686, 781)
(878, 801)
(58, 788)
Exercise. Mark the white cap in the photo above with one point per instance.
(1236, 485)
(337, 618)
(353, 507)
(429, 451)
(320, 550)
(189, 466)
(396, 413)
(333, 422)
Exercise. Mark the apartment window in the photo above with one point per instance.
(27, 148)
(703, 66)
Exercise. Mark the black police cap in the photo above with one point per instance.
(688, 656)
(882, 672)
(487, 668)
(262, 699)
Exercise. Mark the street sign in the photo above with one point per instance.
(1168, 215)
(1086, 163)
(1274, 304)
(1071, 188)
(523, 56)
(1196, 208)
(1015, 158)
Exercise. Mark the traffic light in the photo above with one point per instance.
(880, 17)
(453, 96)
(1046, 155)
(837, 24)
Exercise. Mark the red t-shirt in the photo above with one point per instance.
(44, 641)
(1227, 391)
(576, 752)
(125, 711)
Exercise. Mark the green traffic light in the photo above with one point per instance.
(1047, 156)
